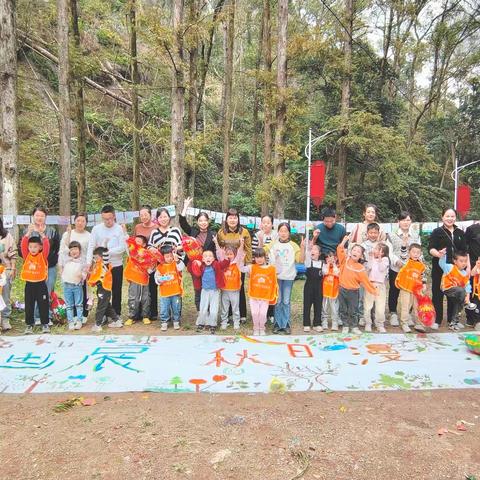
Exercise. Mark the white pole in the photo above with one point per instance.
(456, 184)
(309, 158)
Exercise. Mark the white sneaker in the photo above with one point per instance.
(262, 332)
(345, 330)
(243, 319)
(357, 331)
(381, 329)
(361, 322)
(411, 323)
(325, 325)
(256, 333)
(318, 329)
(477, 327)
(97, 328)
(164, 326)
(38, 322)
(116, 324)
(419, 328)
(236, 326)
(71, 325)
(406, 328)
(454, 326)
(334, 326)
(271, 319)
(176, 325)
(223, 326)
(435, 326)
(460, 325)
(394, 320)
(368, 327)
(78, 325)
(306, 329)
(84, 320)
(6, 324)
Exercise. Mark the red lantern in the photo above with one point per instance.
(463, 200)
(317, 182)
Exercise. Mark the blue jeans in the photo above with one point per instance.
(282, 308)
(170, 304)
(73, 296)
(51, 279)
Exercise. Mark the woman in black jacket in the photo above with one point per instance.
(202, 232)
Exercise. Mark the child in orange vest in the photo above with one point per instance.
(330, 289)
(472, 311)
(410, 278)
(230, 296)
(352, 276)
(34, 273)
(455, 284)
(101, 277)
(169, 280)
(138, 290)
(262, 289)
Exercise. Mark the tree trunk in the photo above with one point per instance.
(64, 121)
(267, 90)
(345, 106)
(178, 110)
(8, 108)
(281, 113)
(79, 119)
(135, 113)
(229, 28)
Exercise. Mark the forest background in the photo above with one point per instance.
(133, 102)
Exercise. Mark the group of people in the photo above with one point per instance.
(350, 277)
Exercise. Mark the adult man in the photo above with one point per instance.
(112, 236)
(329, 234)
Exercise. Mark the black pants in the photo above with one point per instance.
(393, 291)
(153, 290)
(437, 295)
(243, 299)
(104, 307)
(117, 281)
(455, 301)
(271, 311)
(348, 306)
(198, 295)
(312, 295)
(36, 292)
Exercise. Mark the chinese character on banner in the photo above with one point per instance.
(219, 359)
(120, 355)
(29, 360)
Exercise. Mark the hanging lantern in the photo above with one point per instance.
(317, 182)
(463, 200)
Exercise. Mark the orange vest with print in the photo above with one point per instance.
(331, 284)
(35, 268)
(233, 278)
(410, 276)
(476, 286)
(97, 276)
(135, 274)
(263, 283)
(453, 279)
(173, 286)
(2, 269)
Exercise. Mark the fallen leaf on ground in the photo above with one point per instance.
(88, 402)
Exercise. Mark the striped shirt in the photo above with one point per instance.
(172, 236)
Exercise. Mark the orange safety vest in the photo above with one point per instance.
(453, 279)
(410, 276)
(97, 275)
(331, 284)
(2, 269)
(263, 283)
(135, 274)
(35, 268)
(233, 278)
(173, 286)
(476, 286)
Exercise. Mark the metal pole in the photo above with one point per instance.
(309, 157)
(456, 184)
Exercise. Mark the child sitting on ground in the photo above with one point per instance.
(330, 290)
(169, 280)
(101, 277)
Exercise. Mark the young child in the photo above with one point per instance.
(101, 277)
(455, 285)
(230, 296)
(312, 289)
(34, 273)
(377, 268)
(283, 253)
(330, 289)
(138, 290)
(169, 280)
(262, 289)
(472, 311)
(208, 275)
(352, 276)
(73, 271)
(410, 278)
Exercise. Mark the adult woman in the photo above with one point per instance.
(145, 228)
(201, 232)
(8, 258)
(81, 235)
(451, 238)
(400, 239)
(230, 235)
(359, 233)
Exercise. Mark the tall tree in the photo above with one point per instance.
(226, 117)
(281, 112)
(135, 112)
(79, 116)
(64, 123)
(345, 105)
(177, 176)
(8, 108)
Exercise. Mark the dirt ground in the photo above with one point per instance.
(363, 435)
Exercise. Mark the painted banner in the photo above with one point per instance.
(210, 363)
